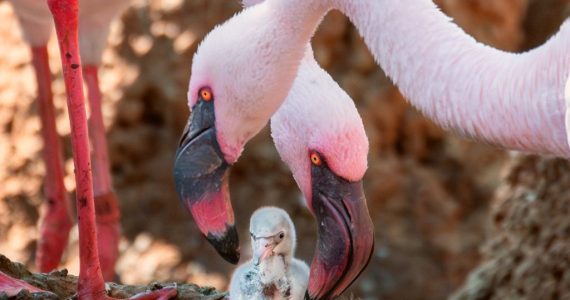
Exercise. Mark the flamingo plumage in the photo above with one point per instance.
(515, 101)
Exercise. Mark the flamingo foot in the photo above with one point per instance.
(108, 233)
(54, 234)
(12, 287)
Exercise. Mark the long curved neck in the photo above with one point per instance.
(261, 48)
(511, 100)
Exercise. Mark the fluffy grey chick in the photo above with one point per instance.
(273, 272)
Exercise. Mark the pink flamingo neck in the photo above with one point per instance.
(511, 100)
(91, 284)
(56, 223)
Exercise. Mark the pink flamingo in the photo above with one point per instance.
(91, 284)
(320, 135)
(94, 23)
(250, 74)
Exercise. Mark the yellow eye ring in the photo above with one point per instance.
(315, 159)
(206, 94)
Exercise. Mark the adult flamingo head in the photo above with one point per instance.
(240, 76)
(320, 136)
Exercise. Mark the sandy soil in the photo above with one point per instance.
(428, 191)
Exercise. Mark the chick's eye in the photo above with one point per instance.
(281, 235)
(206, 94)
(315, 159)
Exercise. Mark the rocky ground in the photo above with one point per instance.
(62, 285)
(528, 256)
(428, 191)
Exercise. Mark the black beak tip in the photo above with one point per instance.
(227, 245)
(308, 297)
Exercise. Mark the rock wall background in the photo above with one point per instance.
(527, 256)
(428, 191)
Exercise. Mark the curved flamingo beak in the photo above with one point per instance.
(346, 233)
(201, 176)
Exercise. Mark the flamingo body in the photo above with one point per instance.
(95, 17)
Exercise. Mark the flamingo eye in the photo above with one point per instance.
(206, 94)
(281, 235)
(315, 159)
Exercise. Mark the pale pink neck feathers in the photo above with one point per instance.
(511, 100)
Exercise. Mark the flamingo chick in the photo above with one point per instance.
(94, 24)
(273, 272)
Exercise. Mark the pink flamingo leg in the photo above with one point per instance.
(12, 286)
(91, 284)
(106, 206)
(56, 223)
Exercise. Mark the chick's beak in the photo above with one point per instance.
(262, 249)
(345, 234)
(201, 176)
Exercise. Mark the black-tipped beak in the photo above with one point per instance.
(201, 177)
(346, 233)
